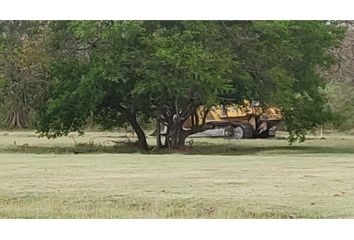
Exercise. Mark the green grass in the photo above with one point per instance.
(251, 179)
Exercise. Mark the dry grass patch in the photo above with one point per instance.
(176, 186)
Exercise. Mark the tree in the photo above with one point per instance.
(23, 69)
(119, 70)
(274, 62)
(340, 79)
(133, 68)
(279, 66)
(98, 79)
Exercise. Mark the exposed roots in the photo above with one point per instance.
(17, 120)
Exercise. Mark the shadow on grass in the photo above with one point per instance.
(76, 149)
(256, 150)
(270, 150)
(200, 149)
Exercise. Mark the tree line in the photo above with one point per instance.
(56, 75)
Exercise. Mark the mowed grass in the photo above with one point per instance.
(255, 179)
(117, 142)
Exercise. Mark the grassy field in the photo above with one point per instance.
(240, 179)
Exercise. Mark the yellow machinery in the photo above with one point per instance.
(249, 120)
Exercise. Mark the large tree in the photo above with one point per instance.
(154, 69)
(119, 70)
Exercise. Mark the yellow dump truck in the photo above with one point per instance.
(248, 120)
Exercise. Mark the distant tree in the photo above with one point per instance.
(23, 70)
(343, 69)
(340, 77)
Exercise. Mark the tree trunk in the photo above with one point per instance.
(142, 144)
(17, 119)
(175, 136)
(182, 137)
(183, 134)
(167, 137)
(158, 134)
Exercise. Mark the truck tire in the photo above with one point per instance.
(239, 131)
(248, 129)
(228, 132)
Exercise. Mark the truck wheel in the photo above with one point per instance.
(228, 132)
(234, 132)
(238, 132)
(248, 131)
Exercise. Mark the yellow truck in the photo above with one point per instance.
(248, 120)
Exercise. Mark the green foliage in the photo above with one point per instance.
(184, 67)
(96, 79)
(3, 83)
(132, 67)
(279, 64)
(71, 99)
